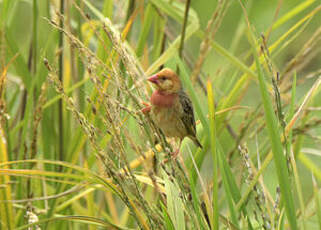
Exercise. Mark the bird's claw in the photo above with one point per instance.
(145, 103)
(146, 109)
(175, 154)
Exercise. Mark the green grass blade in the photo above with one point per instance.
(316, 195)
(310, 165)
(175, 205)
(19, 64)
(176, 11)
(107, 12)
(168, 221)
(228, 55)
(235, 191)
(276, 144)
(228, 193)
(211, 109)
(172, 49)
(148, 18)
(197, 204)
(199, 158)
(159, 27)
(295, 11)
(289, 150)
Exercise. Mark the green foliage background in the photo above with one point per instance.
(77, 153)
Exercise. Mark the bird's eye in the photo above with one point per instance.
(163, 78)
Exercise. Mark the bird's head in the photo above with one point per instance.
(166, 81)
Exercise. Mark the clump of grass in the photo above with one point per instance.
(108, 166)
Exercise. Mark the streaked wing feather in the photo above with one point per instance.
(187, 116)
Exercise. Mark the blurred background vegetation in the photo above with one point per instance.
(77, 153)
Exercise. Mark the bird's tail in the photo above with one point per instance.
(196, 141)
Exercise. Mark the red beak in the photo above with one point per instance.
(153, 79)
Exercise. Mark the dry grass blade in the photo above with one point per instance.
(308, 96)
(211, 28)
(310, 49)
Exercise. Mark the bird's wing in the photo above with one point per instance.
(187, 115)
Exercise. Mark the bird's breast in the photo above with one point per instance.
(163, 100)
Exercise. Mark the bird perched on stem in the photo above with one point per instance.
(171, 109)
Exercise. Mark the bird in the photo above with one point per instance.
(171, 109)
